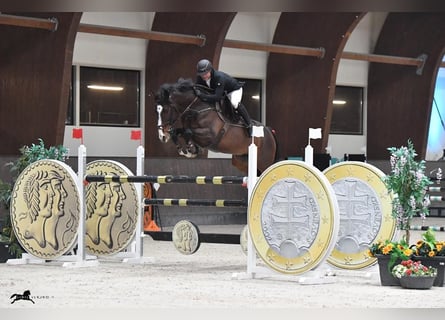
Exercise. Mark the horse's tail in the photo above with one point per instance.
(13, 296)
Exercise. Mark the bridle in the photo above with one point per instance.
(171, 123)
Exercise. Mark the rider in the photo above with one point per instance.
(221, 83)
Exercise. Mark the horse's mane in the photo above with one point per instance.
(163, 93)
(184, 85)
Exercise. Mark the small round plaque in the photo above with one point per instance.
(185, 236)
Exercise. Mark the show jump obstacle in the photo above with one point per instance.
(298, 217)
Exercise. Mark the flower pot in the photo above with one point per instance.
(417, 282)
(386, 277)
(437, 262)
(4, 252)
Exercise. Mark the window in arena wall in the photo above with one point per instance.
(252, 97)
(347, 113)
(107, 97)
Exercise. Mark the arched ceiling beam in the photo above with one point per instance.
(51, 24)
(198, 40)
(247, 45)
(304, 51)
(417, 62)
(30, 22)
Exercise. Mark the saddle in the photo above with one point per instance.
(223, 107)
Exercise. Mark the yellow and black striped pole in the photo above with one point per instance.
(196, 202)
(168, 179)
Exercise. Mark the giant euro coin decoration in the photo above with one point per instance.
(45, 209)
(293, 217)
(112, 209)
(365, 212)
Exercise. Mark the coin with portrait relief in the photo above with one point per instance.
(111, 208)
(45, 209)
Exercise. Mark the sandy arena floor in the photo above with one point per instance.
(207, 280)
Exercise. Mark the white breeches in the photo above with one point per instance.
(235, 97)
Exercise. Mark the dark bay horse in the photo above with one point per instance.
(202, 125)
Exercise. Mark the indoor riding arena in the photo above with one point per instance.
(129, 189)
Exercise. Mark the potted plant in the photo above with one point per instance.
(408, 184)
(431, 252)
(389, 253)
(29, 154)
(414, 275)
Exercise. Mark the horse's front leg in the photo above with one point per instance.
(190, 150)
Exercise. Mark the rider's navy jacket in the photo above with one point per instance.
(220, 82)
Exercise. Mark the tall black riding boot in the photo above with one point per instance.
(243, 112)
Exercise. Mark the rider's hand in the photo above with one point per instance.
(198, 92)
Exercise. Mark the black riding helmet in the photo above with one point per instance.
(203, 66)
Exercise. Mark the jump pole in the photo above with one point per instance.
(81, 259)
(137, 246)
(253, 271)
(251, 181)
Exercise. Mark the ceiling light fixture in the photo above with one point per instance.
(339, 102)
(107, 88)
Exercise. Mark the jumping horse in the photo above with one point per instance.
(182, 114)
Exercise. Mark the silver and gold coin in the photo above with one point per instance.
(365, 212)
(45, 209)
(185, 237)
(111, 208)
(293, 217)
(243, 239)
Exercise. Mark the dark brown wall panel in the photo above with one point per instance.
(166, 62)
(300, 88)
(35, 71)
(399, 100)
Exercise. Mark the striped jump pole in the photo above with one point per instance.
(196, 202)
(436, 189)
(437, 198)
(424, 228)
(169, 179)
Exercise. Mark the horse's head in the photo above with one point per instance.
(166, 113)
(171, 102)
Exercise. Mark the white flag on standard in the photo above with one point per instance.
(257, 131)
(314, 133)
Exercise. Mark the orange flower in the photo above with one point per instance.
(387, 249)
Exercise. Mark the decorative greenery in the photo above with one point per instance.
(410, 268)
(429, 246)
(29, 154)
(408, 183)
(396, 250)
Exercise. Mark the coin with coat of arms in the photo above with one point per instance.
(112, 209)
(293, 217)
(365, 212)
(45, 209)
